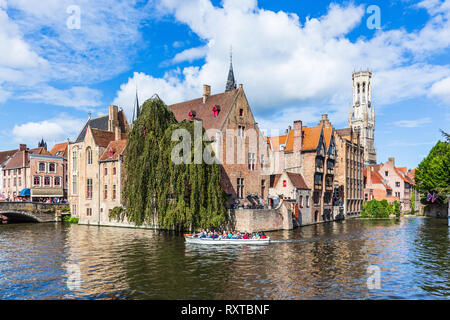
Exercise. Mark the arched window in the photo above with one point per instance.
(74, 160)
(41, 167)
(89, 156)
(52, 167)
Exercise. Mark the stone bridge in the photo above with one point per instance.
(31, 211)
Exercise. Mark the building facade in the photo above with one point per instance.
(36, 170)
(239, 145)
(386, 181)
(4, 158)
(350, 170)
(85, 169)
(361, 117)
(310, 152)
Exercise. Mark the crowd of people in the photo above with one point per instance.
(230, 235)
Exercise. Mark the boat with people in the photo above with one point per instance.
(215, 238)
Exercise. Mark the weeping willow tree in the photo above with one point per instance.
(180, 196)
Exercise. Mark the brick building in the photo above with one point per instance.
(311, 152)
(386, 181)
(35, 170)
(60, 150)
(239, 145)
(4, 157)
(86, 181)
(350, 170)
(292, 186)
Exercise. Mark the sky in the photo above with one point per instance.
(63, 59)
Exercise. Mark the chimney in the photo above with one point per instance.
(113, 118)
(325, 121)
(241, 86)
(392, 160)
(117, 133)
(22, 147)
(206, 92)
(298, 128)
(25, 157)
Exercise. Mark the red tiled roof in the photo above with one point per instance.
(375, 175)
(102, 138)
(17, 160)
(39, 150)
(113, 150)
(402, 175)
(297, 180)
(204, 111)
(5, 155)
(276, 142)
(60, 149)
(311, 137)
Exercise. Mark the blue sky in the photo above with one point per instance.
(294, 58)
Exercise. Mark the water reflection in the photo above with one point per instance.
(326, 261)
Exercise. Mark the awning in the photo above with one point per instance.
(25, 192)
(47, 192)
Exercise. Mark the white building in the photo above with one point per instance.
(361, 116)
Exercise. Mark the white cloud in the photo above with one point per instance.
(190, 54)
(412, 123)
(78, 97)
(291, 66)
(53, 130)
(37, 48)
(441, 90)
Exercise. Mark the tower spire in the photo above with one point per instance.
(136, 109)
(231, 83)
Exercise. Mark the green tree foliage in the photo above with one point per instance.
(413, 202)
(192, 196)
(433, 173)
(377, 209)
(158, 191)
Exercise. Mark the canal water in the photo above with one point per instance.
(326, 261)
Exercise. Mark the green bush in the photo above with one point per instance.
(376, 209)
(69, 219)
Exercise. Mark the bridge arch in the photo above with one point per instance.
(19, 216)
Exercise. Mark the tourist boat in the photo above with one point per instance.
(190, 239)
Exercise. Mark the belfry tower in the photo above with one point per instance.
(361, 116)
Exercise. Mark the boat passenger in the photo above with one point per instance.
(263, 236)
(245, 236)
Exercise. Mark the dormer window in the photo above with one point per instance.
(216, 110)
(192, 114)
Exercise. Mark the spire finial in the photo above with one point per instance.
(231, 55)
(231, 82)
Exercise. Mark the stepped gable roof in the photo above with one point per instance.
(297, 180)
(311, 137)
(60, 150)
(5, 155)
(113, 150)
(204, 110)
